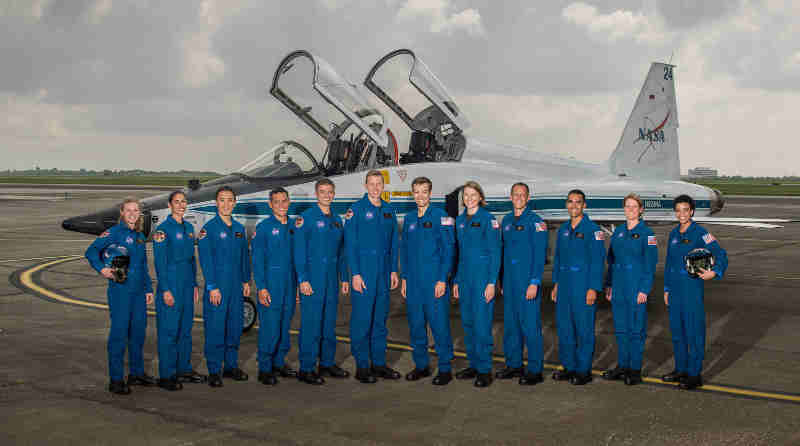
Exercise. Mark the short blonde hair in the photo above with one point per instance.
(477, 187)
(635, 197)
(139, 225)
(374, 173)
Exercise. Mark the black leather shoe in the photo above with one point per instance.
(214, 380)
(633, 377)
(483, 380)
(508, 373)
(467, 373)
(692, 382)
(580, 379)
(119, 387)
(365, 376)
(674, 377)
(170, 384)
(236, 374)
(311, 377)
(141, 380)
(382, 371)
(267, 378)
(285, 371)
(562, 375)
(531, 379)
(191, 377)
(334, 371)
(615, 374)
(417, 374)
(442, 378)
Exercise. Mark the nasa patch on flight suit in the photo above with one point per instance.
(104, 234)
(159, 236)
(202, 234)
(299, 222)
(348, 215)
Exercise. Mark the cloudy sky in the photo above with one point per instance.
(183, 84)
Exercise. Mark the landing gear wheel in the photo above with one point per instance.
(250, 314)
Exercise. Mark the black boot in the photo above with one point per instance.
(267, 378)
(483, 380)
(365, 376)
(170, 384)
(531, 379)
(580, 379)
(418, 374)
(191, 377)
(467, 373)
(562, 375)
(615, 374)
(382, 371)
(141, 380)
(284, 371)
(333, 371)
(633, 377)
(442, 378)
(674, 377)
(692, 382)
(119, 387)
(311, 377)
(509, 372)
(214, 380)
(236, 374)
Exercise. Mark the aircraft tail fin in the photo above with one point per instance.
(648, 146)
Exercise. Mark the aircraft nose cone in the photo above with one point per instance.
(92, 223)
(717, 201)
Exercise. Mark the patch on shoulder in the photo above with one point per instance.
(104, 234)
(541, 226)
(599, 235)
(708, 238)
(298, 223)
(349, 214)
(495, 224)
(202, 234)
(651, 240)
(448, 221)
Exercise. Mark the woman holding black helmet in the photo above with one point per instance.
(127, 301)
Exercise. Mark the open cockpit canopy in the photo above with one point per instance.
(436, 122)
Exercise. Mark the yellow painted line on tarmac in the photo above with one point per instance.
(26, 278)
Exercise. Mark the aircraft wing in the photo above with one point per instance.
(757, 223)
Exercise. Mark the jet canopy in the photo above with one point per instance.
(287, 160)
(351, 126)
(436, 121)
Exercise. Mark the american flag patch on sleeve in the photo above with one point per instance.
(651, 240)
(541, 226)
(447, 221)
(708, 238)
(599, 235)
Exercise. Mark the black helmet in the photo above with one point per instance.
(116, 257)
(697, 259)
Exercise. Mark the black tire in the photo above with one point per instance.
(250, 314)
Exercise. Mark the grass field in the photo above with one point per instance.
(752, 187)
(133, 180)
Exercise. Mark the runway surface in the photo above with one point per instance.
(53, 365)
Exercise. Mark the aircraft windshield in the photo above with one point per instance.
(424, 79)
(286, 160)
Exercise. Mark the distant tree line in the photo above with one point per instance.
(106, 172)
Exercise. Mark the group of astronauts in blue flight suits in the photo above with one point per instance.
(317, 256)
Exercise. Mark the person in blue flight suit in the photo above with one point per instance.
(176, 270)
(370, 239)
(127, 302)
(632, 258)
(427, 249)
(321, 273)
(524, 249)
(479, 257)
(684, 294)
(273, 271)
(225, 260)
(577, 275)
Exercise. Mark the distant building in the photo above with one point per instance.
(703, 172)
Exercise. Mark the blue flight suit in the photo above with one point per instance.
(126, 301)
(577, 267)
(225, 260)
(273, 270)
(427, 249)
(320, 261)
(479, 258)
(687, 315)
(370, 239)
(176, 270)
(524, 250)
(632, 258)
